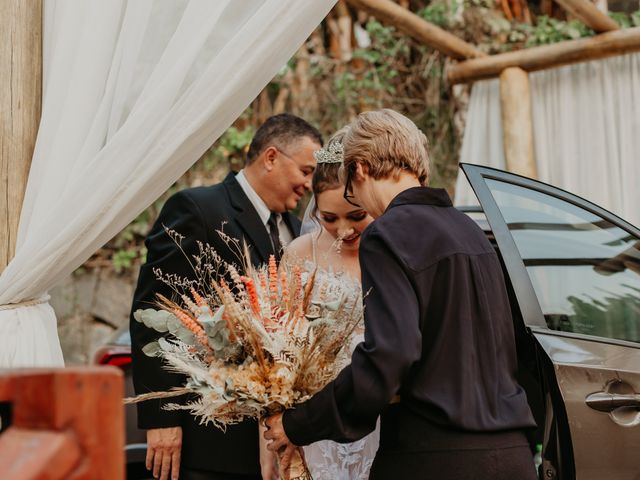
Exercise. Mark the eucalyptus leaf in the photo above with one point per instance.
(213, 324)
(173, 325)
(164, 344)
(156, 319)
(152, 349)
(184, 335)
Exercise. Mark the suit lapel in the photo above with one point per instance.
(248, 219)
(293, 223)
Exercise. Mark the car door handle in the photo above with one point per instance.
(607, 402)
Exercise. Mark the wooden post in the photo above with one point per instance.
(66, 424)
(20, 99)
(393, 14)
(589, 14)
(604, 45)
(517, 124)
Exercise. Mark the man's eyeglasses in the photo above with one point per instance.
(284, 153)
(350, 170)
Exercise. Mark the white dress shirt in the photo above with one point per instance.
(263, 211)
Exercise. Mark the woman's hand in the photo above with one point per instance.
(268, 459)
(275, 433)
(279, 442)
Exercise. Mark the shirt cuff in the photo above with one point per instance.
(297, 429)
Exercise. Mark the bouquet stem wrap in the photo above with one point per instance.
(297, 470)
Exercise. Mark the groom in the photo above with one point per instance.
(252, 206)
(438, 359)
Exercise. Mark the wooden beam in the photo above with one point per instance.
(66, 423)
(393, 14)
(27, 454)
(517, 122)
(548, 56)
(589, 14)
(20, 98)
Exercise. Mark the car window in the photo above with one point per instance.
(584, 269)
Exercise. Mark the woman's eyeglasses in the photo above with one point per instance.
(348, 192)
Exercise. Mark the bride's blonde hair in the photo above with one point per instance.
(388, 143)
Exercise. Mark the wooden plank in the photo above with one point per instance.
(589, 14)
(84, 401)
(29, 454)
(517, 122)
(20, 96)
(393, 14)
(548, 56)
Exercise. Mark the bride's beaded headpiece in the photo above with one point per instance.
(334, 153)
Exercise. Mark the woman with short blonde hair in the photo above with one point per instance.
(387, 143)
(438, 360)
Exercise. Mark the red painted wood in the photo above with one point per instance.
(78, 405)
(43, 454)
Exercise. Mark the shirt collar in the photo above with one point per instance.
(263, 211)
(437, 197)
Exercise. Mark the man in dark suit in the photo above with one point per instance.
(253, 206)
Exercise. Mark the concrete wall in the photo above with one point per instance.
(90, 307)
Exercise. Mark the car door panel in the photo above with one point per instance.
(600, 438)
(575, 271)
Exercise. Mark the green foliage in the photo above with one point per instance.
(378, 74)
(549, 30)
(124, 259)
(440, 14)
(234, 140)
(229, 150)
(626, 20)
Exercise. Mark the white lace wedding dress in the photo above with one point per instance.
(329, 460)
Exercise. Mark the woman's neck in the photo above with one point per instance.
(390, 188)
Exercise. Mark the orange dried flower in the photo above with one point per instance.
(297, 285)
(273, 280)
(193, 326)
(263, 281)
(252, 293)
(284, 285)
(198, 299)
(225, 286)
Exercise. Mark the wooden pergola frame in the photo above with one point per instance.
(21, 67)
(20, 99)
(512, 68)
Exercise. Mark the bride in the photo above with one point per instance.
(333, 246)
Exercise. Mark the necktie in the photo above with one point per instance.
(274, 233)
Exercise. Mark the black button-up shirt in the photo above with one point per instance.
(438, 330)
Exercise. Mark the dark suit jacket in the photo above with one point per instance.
(196, 214)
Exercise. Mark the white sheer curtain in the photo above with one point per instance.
(133, 93)
(586, 126)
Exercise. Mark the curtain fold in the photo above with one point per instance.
(134, 92)
(586, 119)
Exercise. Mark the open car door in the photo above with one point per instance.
(575, 271)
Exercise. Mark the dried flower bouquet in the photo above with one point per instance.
(253, 343)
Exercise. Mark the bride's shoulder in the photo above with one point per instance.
(302, 247)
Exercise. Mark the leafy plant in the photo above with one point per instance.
(549, 30)
(124, 259)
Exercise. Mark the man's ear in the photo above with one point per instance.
(361, 171)
(268, 157)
